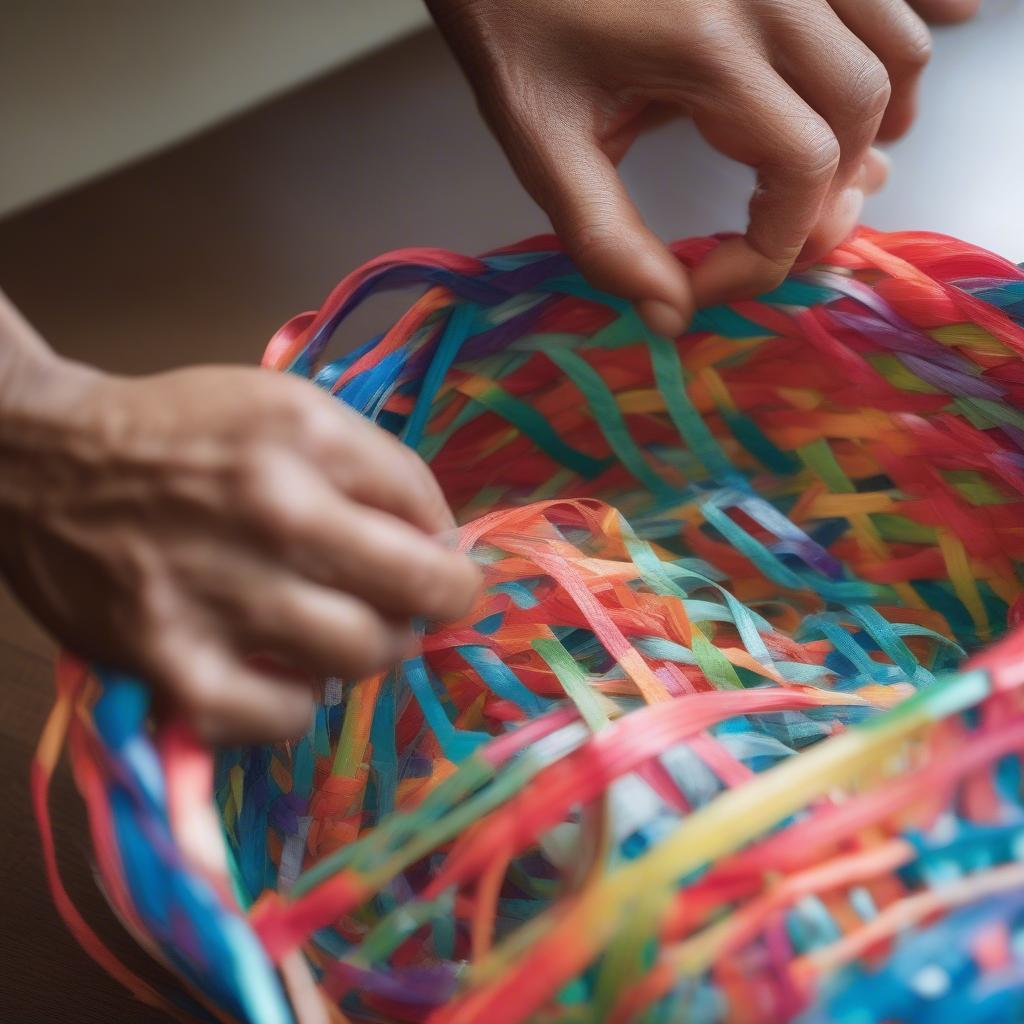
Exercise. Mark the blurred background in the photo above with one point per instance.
(179, 178)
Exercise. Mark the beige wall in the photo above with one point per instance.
(86, 85)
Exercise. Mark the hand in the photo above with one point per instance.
(798, 89)
(176, 526)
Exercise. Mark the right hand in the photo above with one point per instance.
(178, 525)
(797, 89)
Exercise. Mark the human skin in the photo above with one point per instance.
(797, 89)
(180, 525)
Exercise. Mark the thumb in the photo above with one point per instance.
(580, 190)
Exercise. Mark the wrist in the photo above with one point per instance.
(37, 386)
(41, 396)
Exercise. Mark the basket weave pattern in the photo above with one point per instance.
(731, 734)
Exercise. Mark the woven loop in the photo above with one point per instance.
(709, 747)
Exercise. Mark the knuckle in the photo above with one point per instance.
(870, 88)
(289, 403)
(248, 474)
(708, 29)
(295, 413)
(816, 154)
(267, 490)
(913, 50)
(283, 510)
(316, 418)
(395, 457)
(273, 610)
(361, 622)
(718, 41)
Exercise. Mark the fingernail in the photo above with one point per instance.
(661, 318)
(732, 271)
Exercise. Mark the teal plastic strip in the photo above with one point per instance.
(608, 418)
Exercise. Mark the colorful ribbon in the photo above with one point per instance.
(706, 749)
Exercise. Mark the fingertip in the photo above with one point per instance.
(406, 642)
(261, 709)
(468, 582)
(296, 713)
(413, 648)
(607, 238)
(397, 642)
(275, 721)
(838, 221)
(632, 262)
(735, 270)
(874, 172)
(440, 520)
(287, 710)
(431, 510)
(662, 318)
(458, 594)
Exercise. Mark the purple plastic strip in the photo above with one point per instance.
(952, 382)
(494, 339)
(900, 339)
(859, 292)
(792, 540)
(417, 986)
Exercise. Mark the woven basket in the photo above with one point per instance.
(709, 748)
